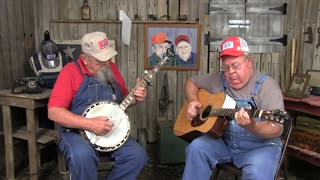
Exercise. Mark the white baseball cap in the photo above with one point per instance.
(97, 45)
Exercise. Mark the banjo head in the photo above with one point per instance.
(120, 131)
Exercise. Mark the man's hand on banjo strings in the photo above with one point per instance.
(101, 125)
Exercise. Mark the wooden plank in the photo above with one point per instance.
(142, 14)
(53, 27)
(172, 7)
(15, 19)
(39, 10)
(181, 79)
(29, 41)
(102, 14)
(46, 15)
(152, 7)
(256, 61)
(205, 22)
(162, 10)
(33, 149)
(143, 106)
(63, 14)
(307, 50)
(316, 59)
(43, 136)
(7, 128)
(93, 8)
(214, 64)
(122, 48)
(290, 22)
(299, 16)
(5, 48)
(143, 109)
(152, 110)
(275, 67)
(313, 22)
(265, 67)
(74, 13)
(132, 76)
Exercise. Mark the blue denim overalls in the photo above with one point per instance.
(81, 157)
(244, 149)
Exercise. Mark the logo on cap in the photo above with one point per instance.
(103, 43)
(227, 45)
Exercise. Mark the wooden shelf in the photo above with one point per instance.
(44, 136)
(114, 21)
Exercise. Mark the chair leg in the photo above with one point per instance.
(216, 174)
(285, 166)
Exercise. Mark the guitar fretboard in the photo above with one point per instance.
(230, 112)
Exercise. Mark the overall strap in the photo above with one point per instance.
(78, 66)
(224, 85)
(258, 85)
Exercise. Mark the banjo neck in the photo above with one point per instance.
(146, 80)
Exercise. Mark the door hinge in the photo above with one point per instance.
(283, 40)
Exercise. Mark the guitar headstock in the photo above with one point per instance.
(276, 116)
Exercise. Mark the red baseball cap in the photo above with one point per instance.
(233, 46)
(182, 38)
(159, 38)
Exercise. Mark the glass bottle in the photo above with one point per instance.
(85, 11)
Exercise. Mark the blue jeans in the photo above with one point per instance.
(82, 159)
(205, 152)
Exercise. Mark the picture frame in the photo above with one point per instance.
(297, 86)
(314, 77)
(183, 38)
(70, 49)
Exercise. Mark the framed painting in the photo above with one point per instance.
(184, 39)
(297, 86)
(71, 49)
(314, 77)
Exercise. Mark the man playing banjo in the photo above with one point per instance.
(93, 77)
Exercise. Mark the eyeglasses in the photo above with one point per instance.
(234, 66)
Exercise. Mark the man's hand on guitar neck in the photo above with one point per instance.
(263, 129)
(193, 109)
(243, 119)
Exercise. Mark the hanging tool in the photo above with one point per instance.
(318, 30)
(164, 97)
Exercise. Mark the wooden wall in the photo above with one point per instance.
(24, 22)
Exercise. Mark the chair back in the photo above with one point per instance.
(287, 128)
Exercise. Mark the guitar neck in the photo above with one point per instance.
(143, 83)
(224, 112)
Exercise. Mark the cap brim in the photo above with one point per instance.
(226, 53)
(105, 55)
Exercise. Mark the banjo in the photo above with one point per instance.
(116, 113)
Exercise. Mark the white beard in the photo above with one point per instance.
(104, 75)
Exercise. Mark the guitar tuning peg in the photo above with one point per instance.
(277, 112)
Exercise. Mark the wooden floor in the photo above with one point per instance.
(298, 170)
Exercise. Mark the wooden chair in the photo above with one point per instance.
(231, 169)
(105, 165)
(105, 162)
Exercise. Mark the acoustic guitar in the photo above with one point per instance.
(214, 115)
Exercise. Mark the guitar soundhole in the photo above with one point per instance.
(206, 112)
(196, 122)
